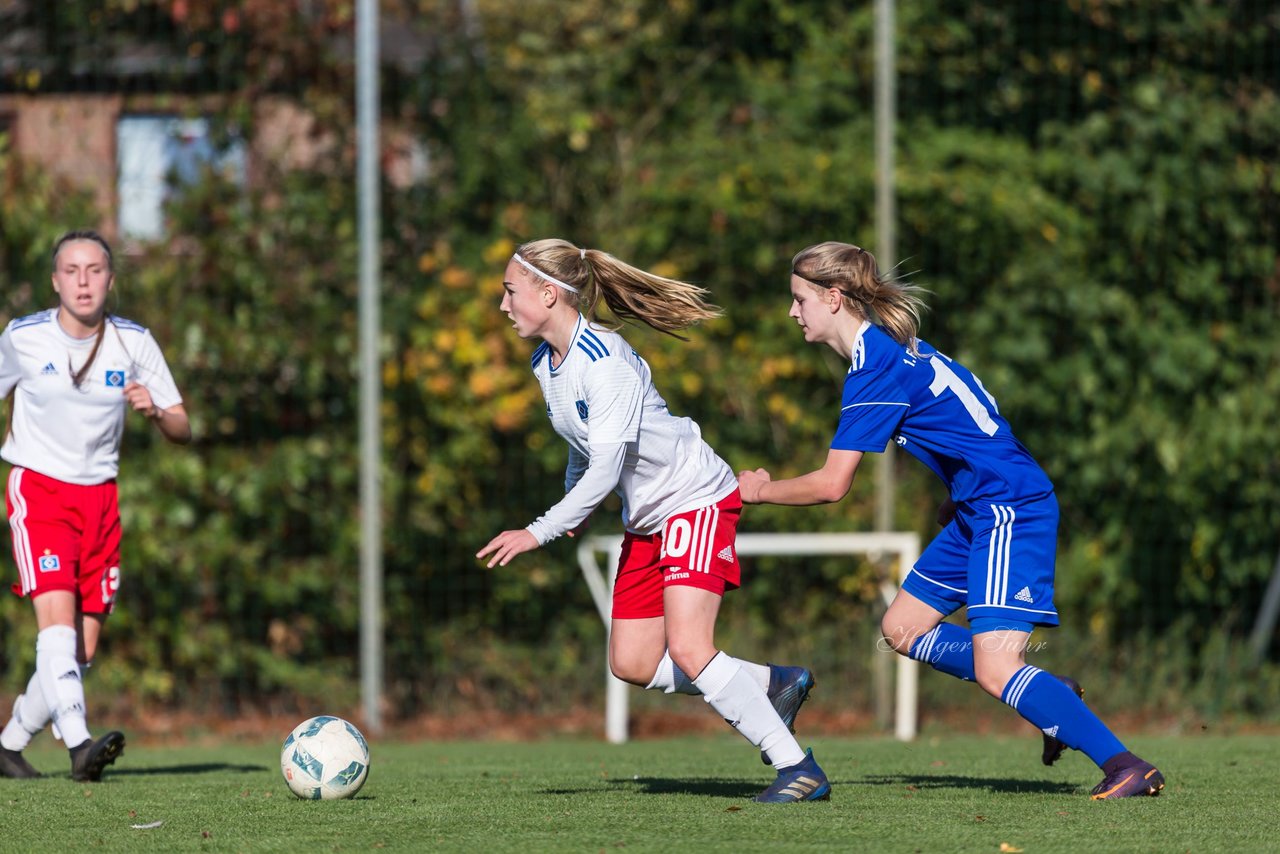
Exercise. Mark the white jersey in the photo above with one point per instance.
(602, 395)
(68, 433)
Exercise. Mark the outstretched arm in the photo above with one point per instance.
(599, 479)
(824, 486)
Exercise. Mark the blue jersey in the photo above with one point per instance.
(938, 412)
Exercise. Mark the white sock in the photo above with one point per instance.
(738, 698)
(59, 675)
(671, 679)
(758, 672)
(30, 715)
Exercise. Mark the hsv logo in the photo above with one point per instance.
(582, 409)
(49, 563)
(115, 379)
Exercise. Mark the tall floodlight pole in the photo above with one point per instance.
(885, 121)
(370, 365)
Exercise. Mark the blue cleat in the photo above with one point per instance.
(1133, 779)
(1052, 747)
(789, 687)
(804, 781)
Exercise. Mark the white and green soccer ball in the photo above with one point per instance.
(325, 758)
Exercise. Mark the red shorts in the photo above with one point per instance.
(695, 549)
(65, 537)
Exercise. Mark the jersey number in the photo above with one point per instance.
(944, 378)
(678, 538)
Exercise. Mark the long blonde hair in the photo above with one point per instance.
(884, 300)
(631, 294)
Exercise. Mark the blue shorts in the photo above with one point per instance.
(997, 559)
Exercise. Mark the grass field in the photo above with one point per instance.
(946, 793)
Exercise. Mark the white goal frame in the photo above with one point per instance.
(905, 545)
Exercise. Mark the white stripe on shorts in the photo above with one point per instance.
(998, 555)
(708, 519)
(18, 524)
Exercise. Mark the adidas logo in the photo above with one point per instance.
(49, 370)
(800, 788)
(1052, 731)
(726, 553)
(1023, 595)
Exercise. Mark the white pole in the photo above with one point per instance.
(886, 121)
(886, 486)
(617, 700)
(908, 712)
(371, 618)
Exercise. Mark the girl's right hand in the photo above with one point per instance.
(506, 546)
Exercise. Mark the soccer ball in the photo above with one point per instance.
(325, 758)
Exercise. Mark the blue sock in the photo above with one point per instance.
(1053, 707)
(948, 648)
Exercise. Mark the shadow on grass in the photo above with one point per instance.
(734, 789)
(955, 781)
(202, 768)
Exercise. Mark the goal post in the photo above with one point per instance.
(904, 545)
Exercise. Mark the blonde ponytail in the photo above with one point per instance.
(631, 294)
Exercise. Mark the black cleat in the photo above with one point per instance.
(15, 766)
(1052, 747)
(90, 759)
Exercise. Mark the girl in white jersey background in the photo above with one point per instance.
(995, 555)
(73, 371)
(680, 503)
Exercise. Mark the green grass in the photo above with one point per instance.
(946, 793)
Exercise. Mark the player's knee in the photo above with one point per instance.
(632, 669)
(992, 673)
(690, 656)
(989, 681)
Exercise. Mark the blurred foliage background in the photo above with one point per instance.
(1088, 188)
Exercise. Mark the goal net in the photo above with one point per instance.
(905, 546)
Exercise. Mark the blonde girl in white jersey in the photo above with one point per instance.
(680, 500)
(73, 371)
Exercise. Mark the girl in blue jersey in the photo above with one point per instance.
(995, 555)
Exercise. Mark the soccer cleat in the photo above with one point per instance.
(804, 781)
(1052, 747)
(90, 759)
(789, 687)
(1135, 779)
(15, 766)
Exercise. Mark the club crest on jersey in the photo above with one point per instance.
(115, 379)
(582, 409)
(50, 563)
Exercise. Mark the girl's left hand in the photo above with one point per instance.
(139, 398)
(506, 546)
(749, 484)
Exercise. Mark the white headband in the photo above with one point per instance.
(532, 269)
